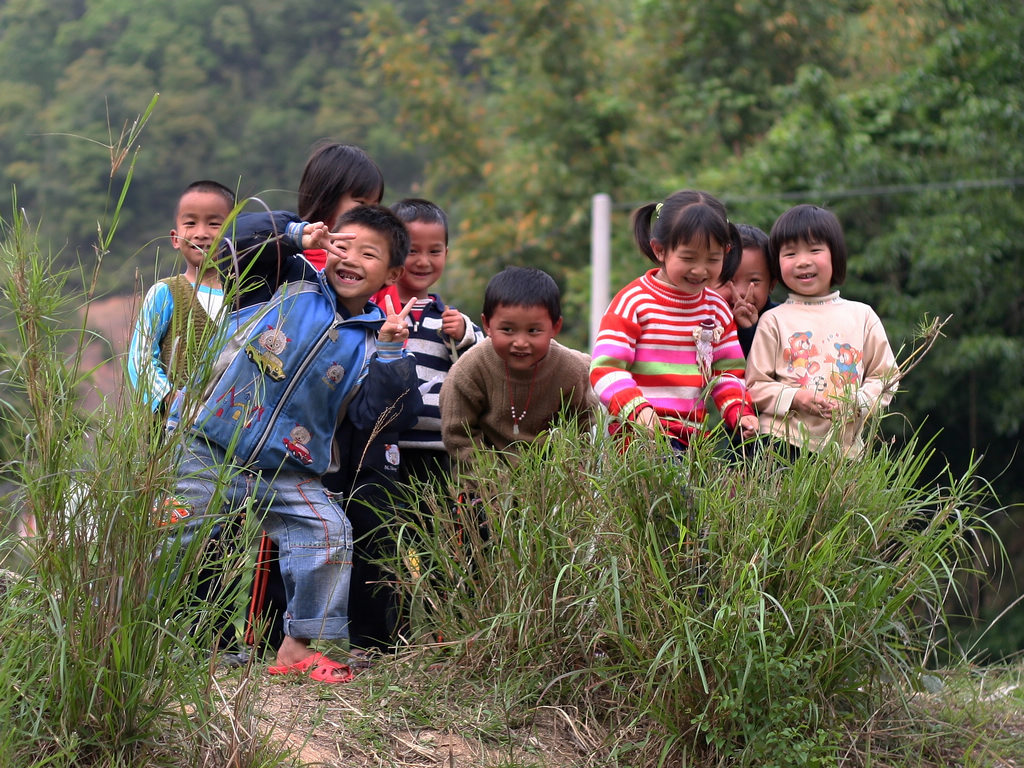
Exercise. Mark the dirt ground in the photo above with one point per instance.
(334, 726)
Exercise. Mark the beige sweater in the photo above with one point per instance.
(476, 408)
(828, 345)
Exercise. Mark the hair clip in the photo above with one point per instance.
(656, 214)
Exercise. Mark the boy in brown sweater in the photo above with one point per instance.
(509, 388)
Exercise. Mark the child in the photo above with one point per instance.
(336, 178)
(750, 287)
(819, 363)
(509, 388)
(294, 365)
(179, 315)
(667, 337)
(438, 334)
(391, 461)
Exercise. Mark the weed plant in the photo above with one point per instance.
(735, 611)
(106, 656)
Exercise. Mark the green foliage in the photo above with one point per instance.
(103, 640)
(746, 612)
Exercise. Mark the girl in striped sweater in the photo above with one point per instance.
(667, 338)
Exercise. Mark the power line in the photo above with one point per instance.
(878, 191)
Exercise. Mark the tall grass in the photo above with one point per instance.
(744, 612)
(106, 658)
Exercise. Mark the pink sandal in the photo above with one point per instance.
(319, 667)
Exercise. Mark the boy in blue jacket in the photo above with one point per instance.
(304, 349)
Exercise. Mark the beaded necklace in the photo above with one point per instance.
(512, 403)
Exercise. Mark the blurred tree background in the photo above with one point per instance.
(904, 116)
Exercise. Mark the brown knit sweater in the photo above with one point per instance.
(476, 408)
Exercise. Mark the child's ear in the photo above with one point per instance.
(175, 240)
(556, 328)
(484, 324)
(393, 274)
(659, 249)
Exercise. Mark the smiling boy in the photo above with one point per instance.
(307, 352)
(509, 389)
(179, 314)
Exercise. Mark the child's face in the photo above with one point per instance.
(426, 259)
(197, 226)
(752, 282)
(521, 335)
(806, 268)
(347, 203)
(690, 268)
(362, 269)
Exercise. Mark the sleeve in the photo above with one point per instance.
(880, 370)
(145, 369)
(729, 390)
(614, 354)
(257, 247)
(768, 390)
(462, 400)
(388, 395)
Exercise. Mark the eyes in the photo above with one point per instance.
(790, 251)
(366, 252)
(510, 331)
(687, 256)
(189, 223)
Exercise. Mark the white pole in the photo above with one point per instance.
(600, 260)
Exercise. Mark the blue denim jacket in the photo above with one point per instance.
(292, 367)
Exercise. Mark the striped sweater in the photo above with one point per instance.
(435, 354)
(652, 350)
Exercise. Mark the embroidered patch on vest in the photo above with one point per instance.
(296, 444)
(335, 373)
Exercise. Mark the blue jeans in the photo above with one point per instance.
(311, 531)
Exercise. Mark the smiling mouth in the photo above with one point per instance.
(348, 277)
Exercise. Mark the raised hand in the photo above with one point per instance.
(744, 311)
(453, 324)
(395, 328)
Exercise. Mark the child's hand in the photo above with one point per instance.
(813, 404)
(648, 417)
(394, 328)
(744, 310)
(748, 426)
(453, 324)
(319, 235)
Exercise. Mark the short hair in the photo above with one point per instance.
(207, 185)
(750, 237)
(384, 221)
(332, 171)
(684, 217)
(753, 237)
(417, 209)
(810, 224)
(523, 287)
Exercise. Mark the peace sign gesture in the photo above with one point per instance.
(394, 328)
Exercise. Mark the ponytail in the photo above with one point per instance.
(643, 218)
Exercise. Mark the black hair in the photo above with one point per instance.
(207, 185)
(523, 287)
(753, 237)
(382, 220)
(810, 224)
(417, 209)
(332, 171)
(686, 216)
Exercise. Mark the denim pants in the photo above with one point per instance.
(311, 531)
